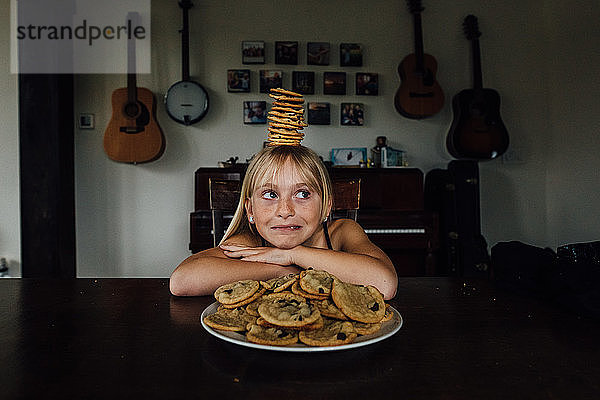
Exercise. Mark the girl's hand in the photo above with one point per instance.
(271, 255)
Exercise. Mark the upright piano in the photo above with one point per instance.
(391, 212)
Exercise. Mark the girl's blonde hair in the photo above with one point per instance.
(264, 168)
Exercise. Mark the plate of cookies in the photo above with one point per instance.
(306, 312)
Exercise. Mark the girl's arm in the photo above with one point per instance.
(201, 273)
(358, 260)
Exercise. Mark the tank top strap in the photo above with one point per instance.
(326, 232)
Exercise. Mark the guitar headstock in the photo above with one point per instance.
(471, 27)
(414, 6)
(185, 4)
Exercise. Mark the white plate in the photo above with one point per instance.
(388, 328)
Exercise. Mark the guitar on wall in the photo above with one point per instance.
(419, 95)
(133, 135)
(186, 101)
(477, 131)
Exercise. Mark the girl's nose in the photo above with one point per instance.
(286, 208)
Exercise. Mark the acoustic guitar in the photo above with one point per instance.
(186, 101)
(133, 135)
(419, 95)
(477, 131)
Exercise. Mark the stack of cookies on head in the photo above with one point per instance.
(313, 307)
(286, 118)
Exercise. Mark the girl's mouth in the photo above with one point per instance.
(286, 227)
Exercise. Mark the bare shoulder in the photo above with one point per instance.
(344, 226)
(347, 233)
(348, 236)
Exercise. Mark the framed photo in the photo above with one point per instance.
(392, 158)
(270, 79)
(350, 156)
(85, 121)
(303, 82)
(351, 55)
(286, 53)
(367, 84)
(317, 53)
(319, 114)
(238, 80)
(253, 52)
(334, 83)
(352, 114)
(255, 112)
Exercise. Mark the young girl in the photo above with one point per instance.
(281, 226)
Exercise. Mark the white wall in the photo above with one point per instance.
(573, 173)
(134, 220)
(10, 232)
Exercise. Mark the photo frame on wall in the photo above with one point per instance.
(85, 121)
(317, 53)
(352, 114)
(255, 112)
(367, 84)
(303, 82)
(253, 52)
(334, 83)
(238, 80)
(319, 114)
(270, 79)
(351, 55)
(286, 53)
(349, 156)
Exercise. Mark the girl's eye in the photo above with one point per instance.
(269, 195)
(303, 194)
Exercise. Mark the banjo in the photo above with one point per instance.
(186, 101)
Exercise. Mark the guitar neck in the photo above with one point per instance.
(185, 46)
(477, 78)
(418, 42)
(131, 88)
(131, 65)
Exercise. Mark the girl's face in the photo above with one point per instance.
(286, 211)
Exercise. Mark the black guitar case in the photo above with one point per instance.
(454, 194)
(439, 198)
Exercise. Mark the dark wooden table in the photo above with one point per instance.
(117, 338)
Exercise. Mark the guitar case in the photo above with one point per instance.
(454, 194)
(439, 198)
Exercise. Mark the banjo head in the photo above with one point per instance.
(186, 102)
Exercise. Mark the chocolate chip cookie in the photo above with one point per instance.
(333, 333)
(287, 310)
(358, 302)
(316, 282)
(236, 292)
(271, 336)
(234, 320)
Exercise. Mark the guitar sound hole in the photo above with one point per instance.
(478, 109)
(132, 110)
(426, 76)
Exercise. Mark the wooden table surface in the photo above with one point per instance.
(116, 338)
